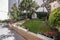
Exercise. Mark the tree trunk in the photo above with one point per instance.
(26, 14)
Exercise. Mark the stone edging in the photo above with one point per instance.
(26, 34)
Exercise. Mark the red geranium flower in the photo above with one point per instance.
(51, 33)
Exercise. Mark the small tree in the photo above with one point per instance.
(14, 13)
(29, 6)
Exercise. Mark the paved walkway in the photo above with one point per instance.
(26, 35)
(7, 34)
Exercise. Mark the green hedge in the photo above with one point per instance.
(3, 21)
(41, 14)
(0, 21)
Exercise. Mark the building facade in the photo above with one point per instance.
(55, 5)
(5, 6)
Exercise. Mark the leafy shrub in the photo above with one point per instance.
(41, 15)
(54, 18)
(5, 21)
(0, 21)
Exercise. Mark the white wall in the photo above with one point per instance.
(3, 9)
(5, 6)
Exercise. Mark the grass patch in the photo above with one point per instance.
(36, 25)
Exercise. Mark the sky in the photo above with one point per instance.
(4, 8)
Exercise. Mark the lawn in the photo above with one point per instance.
(36, 25)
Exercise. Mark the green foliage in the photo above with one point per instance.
(29, 6)
(54, 18)
(41, 15)
(14, 13)
(4, 21)
(0, 21)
